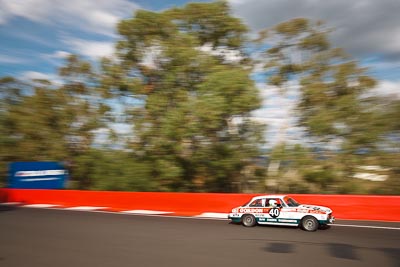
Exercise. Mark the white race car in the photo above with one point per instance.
(281, 210)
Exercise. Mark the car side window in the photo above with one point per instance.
(256, 203)
(273, 203)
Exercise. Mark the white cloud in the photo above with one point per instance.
(60, 54)
(91, 49)
(35, 10)
(56, 57)
(387, 88)
(361, 27)
(98, 16)
(34, 75)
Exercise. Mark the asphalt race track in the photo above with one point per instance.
(43, 237)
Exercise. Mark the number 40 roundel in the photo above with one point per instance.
(274, 213)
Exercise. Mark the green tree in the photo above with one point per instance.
(10, 95)
(44, 122)
(33, 126)
(389, 112)
(332, 85)
(115, 170)
(193, 125)
(84, 103)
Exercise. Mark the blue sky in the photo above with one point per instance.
(35, 35)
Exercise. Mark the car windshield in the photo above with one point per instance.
(291, 202)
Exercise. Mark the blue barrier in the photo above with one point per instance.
(37, 175)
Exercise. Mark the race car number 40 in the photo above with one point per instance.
(274, 213)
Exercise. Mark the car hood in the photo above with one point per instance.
(314, 207)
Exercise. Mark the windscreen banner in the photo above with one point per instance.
(37, 175)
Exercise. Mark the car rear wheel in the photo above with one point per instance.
(248, 220)
(309, 223)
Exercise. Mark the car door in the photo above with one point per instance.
(272, 210)
(276, 211)
(288, 215)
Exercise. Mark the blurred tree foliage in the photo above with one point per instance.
(44, 122)
(181, 78)
(334, 103)
(331, 84)
(187, 75)
(194, 125)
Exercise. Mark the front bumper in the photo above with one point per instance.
(234, 218)
(329, 220)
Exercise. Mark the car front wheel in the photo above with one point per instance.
(309, 223)
(248, 220)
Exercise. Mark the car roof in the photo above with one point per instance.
(270, 196)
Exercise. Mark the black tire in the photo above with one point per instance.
(249, 220)
(309, 223)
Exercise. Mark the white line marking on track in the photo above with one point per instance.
(10, 203)
(213, 215)
(85, 208)
(146, 212)
(366, 226)
(172, 216)
(40, 206)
